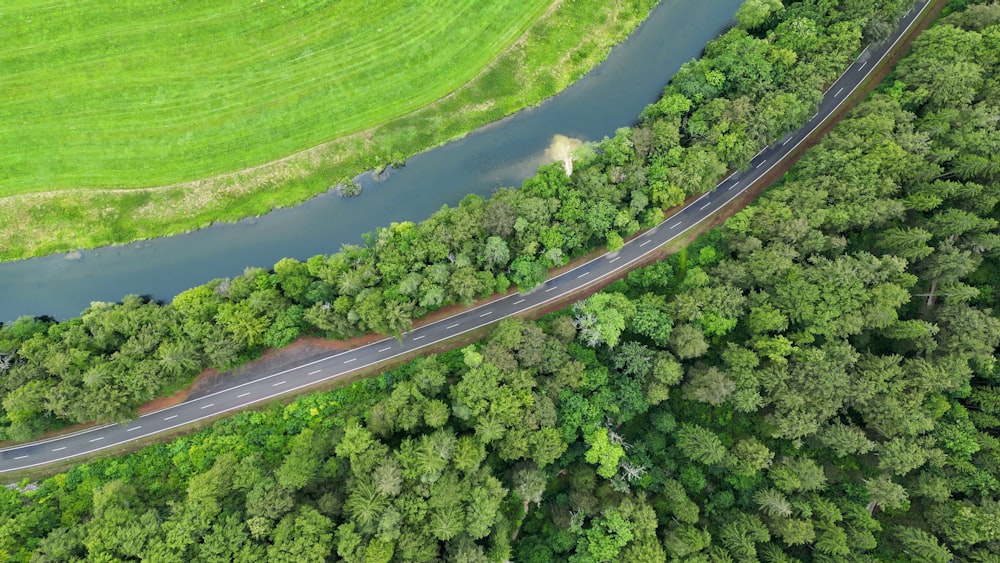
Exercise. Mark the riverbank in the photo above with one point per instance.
(503, 153)
(308, 348)
(567, 41)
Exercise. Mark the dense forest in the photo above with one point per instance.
(755, 83)
(814, 381)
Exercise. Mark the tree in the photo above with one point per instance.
(885, 493)
(749, 456)
(303, 536)
(529, 483)
(496, 254)
(700, 444)
(922, 547)
(307, 452)
(526, 272)
(687, 341)
(707, 384)
(602, 317)
(179, 358)
(604, 452)
(943, 64)
(754, 13)
(773, 503)
(678, 502)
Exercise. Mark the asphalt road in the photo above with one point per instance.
(290, 380)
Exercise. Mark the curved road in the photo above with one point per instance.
(266, 388)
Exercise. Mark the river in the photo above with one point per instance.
(500, 154)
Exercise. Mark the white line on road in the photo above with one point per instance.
(240, 396)
(486, 314)
(677, 224)
(59, 449)
(314, 372)
(919, 9)
(788, 140)
(282, 382)
(98, 439)
(355, 359)
(449, 327)
(519, 301)
(733, 186)
(615, 259)
(210, 405)
(645, 243)
(133, 428)
(588, 273)
(171, 417)
(20, 457)
(838, 92)
(761, 163)
(702, 208)
(862, 65)
(386, 348)
(548, 290)
(415, 338)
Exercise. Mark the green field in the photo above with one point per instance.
(99, 93)
(214, 114)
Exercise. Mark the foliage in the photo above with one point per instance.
(115, 357)
(848, 413)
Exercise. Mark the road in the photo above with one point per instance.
(288, 381)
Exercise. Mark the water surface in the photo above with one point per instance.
(500, 154)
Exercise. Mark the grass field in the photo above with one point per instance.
(210, 111)
(109, 94)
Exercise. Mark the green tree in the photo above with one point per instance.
(754, 13)
(700, 444)
(602, 317)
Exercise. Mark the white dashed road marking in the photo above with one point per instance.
(171, 417)
(386, 348)
(98, 439)
(20, 457)
(645, 243)
(242, 395)
(588, 273)
(210, 405)
(518, 302)
(59, 449)
(355, 359)
(547, 290)
(615, 259)
(277, 384)
(486, 314)
(314, 372)
(133, 428)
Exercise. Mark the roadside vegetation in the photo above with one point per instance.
(814, 381)
(755, 83)
(121, 123)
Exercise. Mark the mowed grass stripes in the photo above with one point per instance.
(108, 94)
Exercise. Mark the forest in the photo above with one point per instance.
(814, 381)
(758, 81)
